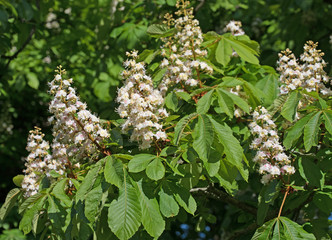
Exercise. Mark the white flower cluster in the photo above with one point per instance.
(51, 21)
(234, 27)
(182, 51)
(77, 132)
(309, 75)
(140, 104)
(38, 162)
(270, 155)
(313, 72)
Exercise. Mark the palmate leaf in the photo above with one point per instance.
(311, 132)
(292, 230)
(203, 137)
(124, 214)
(152, 220)
(281, 228)
(9, 202)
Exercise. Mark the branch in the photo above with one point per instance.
(217, 194)
(199, 5)
(32, 32)
(10, 58)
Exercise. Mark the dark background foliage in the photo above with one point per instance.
(89, 38)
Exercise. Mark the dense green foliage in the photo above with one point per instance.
(204, 174)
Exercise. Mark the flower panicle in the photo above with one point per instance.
(272, 160)
(140, 103)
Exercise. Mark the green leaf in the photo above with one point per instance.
(59, 192)
(172, 102)
(277, 104)
(311, 132)
(29, 201)
(213, 164)
(88, 182)
(265, 231)
(232, 147)
(124, 214)
(155, 170)
(9, 202)
(203, 137)
(184, 198)
(29, 214)
(310, 172)
(288, 110)
(152, 220)
(158, 30)
(323, 201)
(223, 52)
(295, 132)
(227, 176)
(18, 180)
(255, 94)
(139, 162)
(269, 85)
(292, 230)
(168, 205)
(92, 201)
(204, 103)
(238, 101)
(56, 215)
(243, 50)
(33, 80)
(225, 103)
(180, 126)
(327, 115)
(113, 171)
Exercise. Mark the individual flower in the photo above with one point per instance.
(140, 104)
(270, 154)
